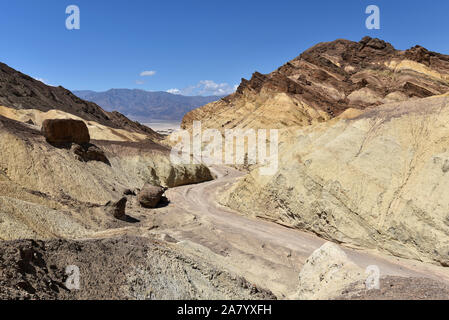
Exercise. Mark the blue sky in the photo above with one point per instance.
(195, 46)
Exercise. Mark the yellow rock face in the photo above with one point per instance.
(327, 273)
(377, 180)
(403, 65)
(262, 111)
(363, 150)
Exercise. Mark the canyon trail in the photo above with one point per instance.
(267, 254)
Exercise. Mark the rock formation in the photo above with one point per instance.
(97, 131)
(129, 192)
(327, 273)
(326, 80)
(375, 180)
(362, 153)
(363, 159)
(65, 131)
(74, 134)
(49, 192)
(89, 152)
(21, 92)
(150, 196)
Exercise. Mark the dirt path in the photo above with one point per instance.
(265, 253)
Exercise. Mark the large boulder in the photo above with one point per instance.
(150, 196)
(64, 131)
(326, 273)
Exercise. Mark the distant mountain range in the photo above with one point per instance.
(146, 106)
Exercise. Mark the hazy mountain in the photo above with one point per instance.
(145, 105)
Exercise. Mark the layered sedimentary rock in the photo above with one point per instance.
(377, 180)
(326, 80)
(363, 146)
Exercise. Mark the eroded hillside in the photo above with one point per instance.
(363, 146)
(20, 91)
(79, 202)
(326, 80)
(50, 191)
(375, 180)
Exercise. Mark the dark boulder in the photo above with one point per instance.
(65, 131)
(150, 196)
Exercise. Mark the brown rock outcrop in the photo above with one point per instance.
(150, 196)
(65, 131)
(326, 80)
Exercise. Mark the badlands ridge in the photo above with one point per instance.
(363, 153)
(363, 163)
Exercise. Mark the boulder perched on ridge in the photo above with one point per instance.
(65, 131)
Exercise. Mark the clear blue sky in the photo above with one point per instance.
(189, 41)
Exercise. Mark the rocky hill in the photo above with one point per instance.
(326, 80)
(146, 106)
(73, 179)
(373, 180)
(38, 179)
(22, 92)
(363, 148)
